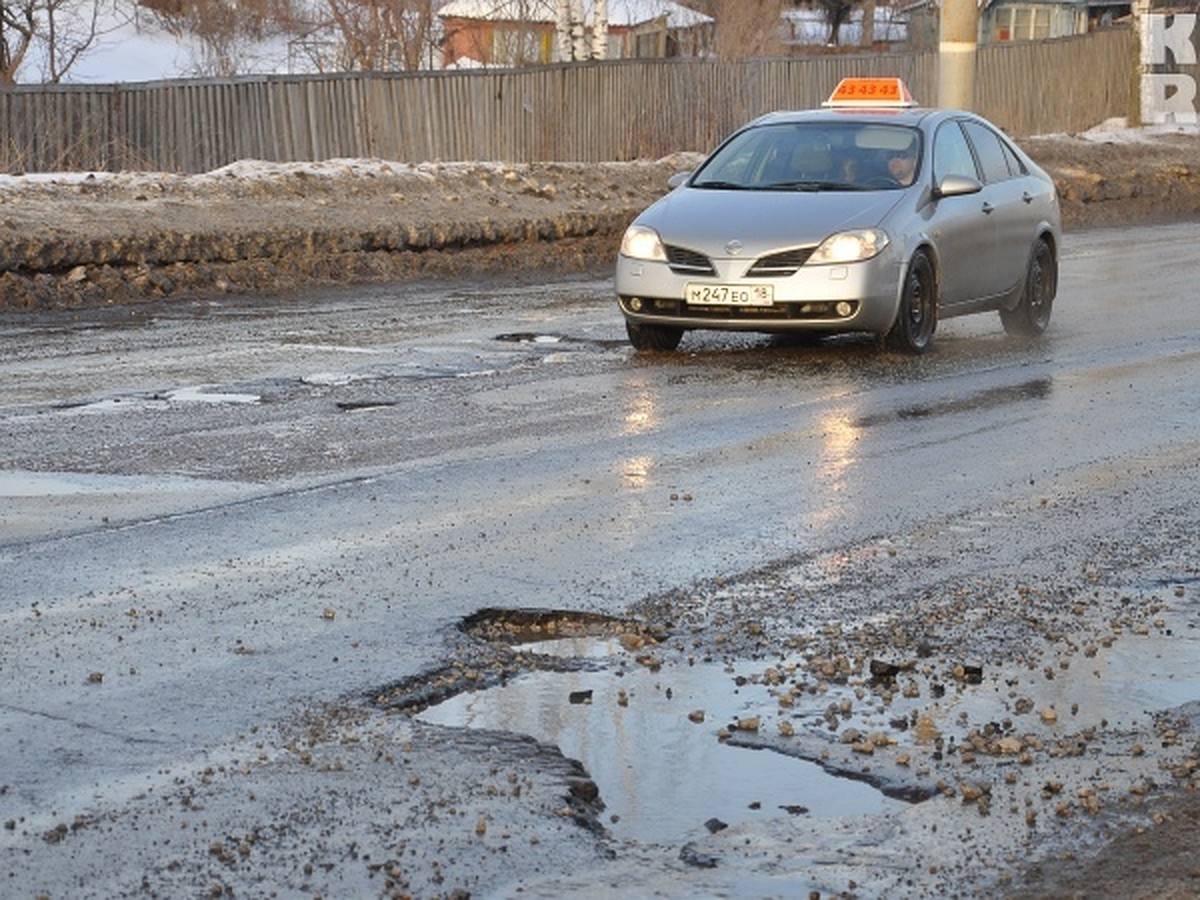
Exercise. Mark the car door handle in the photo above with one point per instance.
(987, 208)
(1026, 196)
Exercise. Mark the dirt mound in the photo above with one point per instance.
(88, 240)
(1122, 180)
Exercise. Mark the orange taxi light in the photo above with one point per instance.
(870, 92)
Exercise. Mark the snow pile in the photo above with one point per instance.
(1118, 131)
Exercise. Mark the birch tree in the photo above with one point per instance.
(578, 42)
(571, 38)
(562, 29)
(600, 29)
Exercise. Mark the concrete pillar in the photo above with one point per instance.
(1141, 9)
(959, 34)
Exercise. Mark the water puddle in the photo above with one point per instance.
(332, 379)
(651, 737)
(205, 393)
(676, 747)
(16, 483)
(1005, 395)
(529, 337)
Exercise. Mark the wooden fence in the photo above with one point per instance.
(617, 110)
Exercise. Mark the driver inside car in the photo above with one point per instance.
(902, 165)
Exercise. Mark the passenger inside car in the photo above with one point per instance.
(852, 168)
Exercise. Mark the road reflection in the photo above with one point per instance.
(641, 410)
(839, 433)
(637, 471)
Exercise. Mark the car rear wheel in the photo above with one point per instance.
(653, 337)
(912, 332)
(1031, 315)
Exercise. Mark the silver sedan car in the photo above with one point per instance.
(877, 218)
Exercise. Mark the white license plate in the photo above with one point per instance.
(729, 294)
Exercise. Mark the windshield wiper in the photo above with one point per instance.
(813, 186)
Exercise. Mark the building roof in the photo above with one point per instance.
(993, 4)
(620, 12)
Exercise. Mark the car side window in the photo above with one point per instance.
(1014, 162)
(951, 153)
(990, 151)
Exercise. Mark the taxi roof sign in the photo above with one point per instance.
(874, 92)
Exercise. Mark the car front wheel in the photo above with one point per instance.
(912, 332)
(1031, 315)
(653, 337)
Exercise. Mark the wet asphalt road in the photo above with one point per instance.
(214, 515)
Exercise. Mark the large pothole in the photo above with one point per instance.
(652, 736)
(649, 738)
(676, 743)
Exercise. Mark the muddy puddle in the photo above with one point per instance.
(649, 739)
(677, 748)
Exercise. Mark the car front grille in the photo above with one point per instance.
(780, 265)
(776, 265)
(688, 262)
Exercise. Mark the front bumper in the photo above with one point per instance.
(861, 296)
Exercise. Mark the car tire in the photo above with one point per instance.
(916, 319)
(661, 338)
(1031, 315)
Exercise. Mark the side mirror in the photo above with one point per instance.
(956, 186)
(677, 179)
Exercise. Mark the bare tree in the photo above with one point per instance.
(837, 13)
(228, 32)
(384, 34)
(71, 28)
(18, 25)
(868, 23)
(55, 32)
(745, 28)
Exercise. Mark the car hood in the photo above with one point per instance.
(762, 221)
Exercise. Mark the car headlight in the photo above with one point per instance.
(641, 242)
(850, 246)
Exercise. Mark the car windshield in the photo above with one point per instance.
(814, 156)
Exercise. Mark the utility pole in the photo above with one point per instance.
(1137, 114)
(958, 24)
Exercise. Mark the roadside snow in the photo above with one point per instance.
(1118, 130)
